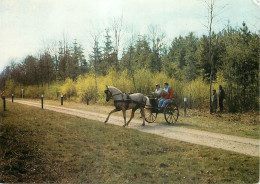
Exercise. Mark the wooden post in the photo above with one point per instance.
(12, 98)
(3, 97)
(22, 93)
(42, 100)
(185, 106)
(61, 99)
(87, 99)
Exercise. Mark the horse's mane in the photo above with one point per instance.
(114, 89)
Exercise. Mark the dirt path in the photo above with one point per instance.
(227, 142)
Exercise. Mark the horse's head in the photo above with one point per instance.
(108, 94)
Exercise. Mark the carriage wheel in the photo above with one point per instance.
(171, 113)
(150, 116)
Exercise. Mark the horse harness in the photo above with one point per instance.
(128, 100)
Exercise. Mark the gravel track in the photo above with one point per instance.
(237, 144)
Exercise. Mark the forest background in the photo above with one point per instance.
(62, 68)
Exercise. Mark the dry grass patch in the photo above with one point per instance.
(44, 146)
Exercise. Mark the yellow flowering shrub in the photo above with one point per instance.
(196, 91)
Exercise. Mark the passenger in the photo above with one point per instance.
(167, 95)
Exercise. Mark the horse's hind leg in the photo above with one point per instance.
(132, 115)
(115, 110)
(143, 115)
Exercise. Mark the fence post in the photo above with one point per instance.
(3, 97)
(22, 93)
(185, 106)
(87, 99)
(61, 98)
(12, 98)
(42, 100)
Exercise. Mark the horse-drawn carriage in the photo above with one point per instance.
(171, 111)
(148, 106)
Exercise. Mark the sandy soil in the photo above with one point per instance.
(227, 142)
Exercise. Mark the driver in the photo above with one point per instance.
(158, 91)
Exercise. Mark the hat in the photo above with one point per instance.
(158, 85)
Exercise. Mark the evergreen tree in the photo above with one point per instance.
(46, 68)
(142, 56)
(96, 58)
(95, 61)
(191, 70)
(79, 62)
(109, 56)
(240, 63)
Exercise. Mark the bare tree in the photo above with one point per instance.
(54, 50)
(156, 37)
(210, 21)
(117, 27)
(212, 13)
(130, 64)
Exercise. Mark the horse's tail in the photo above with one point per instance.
(146, 101)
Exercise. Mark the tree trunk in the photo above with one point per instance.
(131, 69)
(210, 51)
(210, 86)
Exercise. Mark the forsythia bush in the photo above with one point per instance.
(197, 91)
(10, 88)
(86, 86)
(33, 91)
(68, 88)
(143, 80)
(53, 91)
(17, 91)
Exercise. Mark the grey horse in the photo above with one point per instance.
(124, 102)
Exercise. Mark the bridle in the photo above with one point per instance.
(108, 98)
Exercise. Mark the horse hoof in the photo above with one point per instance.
(105, 121)
(143, 124)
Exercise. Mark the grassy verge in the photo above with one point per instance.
(44, 146)
(244, 125)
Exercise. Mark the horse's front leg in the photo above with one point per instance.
(143, 115)
(124, 114)
(115, 110)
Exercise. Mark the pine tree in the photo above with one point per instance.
(109, 57)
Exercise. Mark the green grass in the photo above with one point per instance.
(45, 146)
(239, 124)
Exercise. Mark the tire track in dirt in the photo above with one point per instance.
(237, 144)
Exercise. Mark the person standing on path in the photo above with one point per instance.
(214, 101)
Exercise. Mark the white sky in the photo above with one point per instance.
(26, 24)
